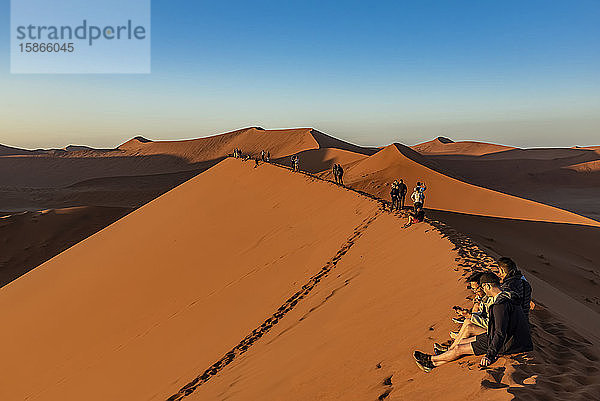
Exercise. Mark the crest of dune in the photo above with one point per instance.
(153, 299)
(441, 146)
(375, 173)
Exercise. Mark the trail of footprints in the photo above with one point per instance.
(268, 324)
(563, 366)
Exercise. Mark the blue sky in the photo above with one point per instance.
(523, 73)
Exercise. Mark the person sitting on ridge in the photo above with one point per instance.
(514, 281)
(475, 320)
(417, 216)
(508, 331)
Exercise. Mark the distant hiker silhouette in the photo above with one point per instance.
(334, 172)
(395, 195)
(340, 174)
(402, 189)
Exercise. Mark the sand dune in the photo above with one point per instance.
(31, 238)
(10, 151)
(47, 172)
(257, 283)
(563, 255)
(445, 146)
(564, 178)
(179, 274)
(170, 289)
(375, 174)
(280, 143)
(318, 160)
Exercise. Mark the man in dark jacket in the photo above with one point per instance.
(514, 281)
(403, 189)
(341, 174)
(395, 195)
(508, 331)
(334, 171)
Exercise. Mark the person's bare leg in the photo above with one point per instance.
(467, 330)
(452, 355)
(467, 340)
(460, 334)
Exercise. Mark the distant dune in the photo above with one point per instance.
(567, 178)
(251, 141)
(154, 300)
(376, 173)
(446, 146)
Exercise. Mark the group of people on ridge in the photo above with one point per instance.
(265, 156)
(295, 163)
(398, 194)
(338, 173)
(237, 153)
(497, 323)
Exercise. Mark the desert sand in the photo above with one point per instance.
(568, 178)
(243, 283)
(445, 146)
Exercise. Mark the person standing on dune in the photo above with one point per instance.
(340, 174)
(262, 155)
(395, 195)
(268, 157)
(334, 171)
(417, 198)
(402, 189)
(422, 188)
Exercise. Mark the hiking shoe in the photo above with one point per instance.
(423, 361)
(459, 320)
(439, 348)
(421, 356)
(453, 334)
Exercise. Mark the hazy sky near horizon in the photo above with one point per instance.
(524, 73)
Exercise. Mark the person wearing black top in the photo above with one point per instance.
(395, 195)
(403, 189)
(514, 281)
(508, 331)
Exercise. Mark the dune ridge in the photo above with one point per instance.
(445, 146)
(375, 173)
(150, 347)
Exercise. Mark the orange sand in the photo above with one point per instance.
(141, 308)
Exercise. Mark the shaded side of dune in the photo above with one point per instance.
(565, 178)
(29, 239)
